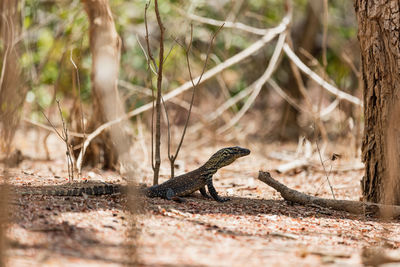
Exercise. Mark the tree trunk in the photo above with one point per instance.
(378, 33)
(12, 96)
(12, 91)
(105, 46)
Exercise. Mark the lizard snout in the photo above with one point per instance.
(241, 152)
(245, 152)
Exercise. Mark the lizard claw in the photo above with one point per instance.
(179, 199)
(224, 199)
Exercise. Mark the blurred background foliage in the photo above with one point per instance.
(56, 31)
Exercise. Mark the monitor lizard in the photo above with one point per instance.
(174, 188)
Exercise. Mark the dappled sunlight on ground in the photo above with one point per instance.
(255, 228)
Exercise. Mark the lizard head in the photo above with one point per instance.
(226, 156)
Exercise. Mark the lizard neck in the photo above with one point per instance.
(208, 169)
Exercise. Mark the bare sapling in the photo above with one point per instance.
(64, 136)
(173, 157)
(82, 120)
(158, 70)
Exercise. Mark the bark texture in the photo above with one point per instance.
(105, 46)
(378, 34)
(12, 91)
(12, 96)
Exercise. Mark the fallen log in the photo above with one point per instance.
(355, 207)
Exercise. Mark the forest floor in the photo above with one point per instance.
(256, 228)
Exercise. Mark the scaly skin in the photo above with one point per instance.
(76, 189)
(176, 187)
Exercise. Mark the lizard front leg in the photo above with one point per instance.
(170, 195)
(203, 192)
(213, 192)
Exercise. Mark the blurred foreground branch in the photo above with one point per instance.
(12, 96)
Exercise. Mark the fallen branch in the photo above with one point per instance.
(355, 207)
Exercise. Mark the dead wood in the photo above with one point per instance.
(355, 207)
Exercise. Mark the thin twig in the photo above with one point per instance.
(48, 128)
(322, 184)
(79, 95)
(325, 33)
(150, 54)
(346, 58)
(150, 59)
(64, 136)
(169, 52)
(159, 88)
(68, 152)
(52, 126)
(172, 158)
(145, 54)
(198, 81)
(152, 122)
(323, 166)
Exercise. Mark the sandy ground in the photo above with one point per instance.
(255, 228)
